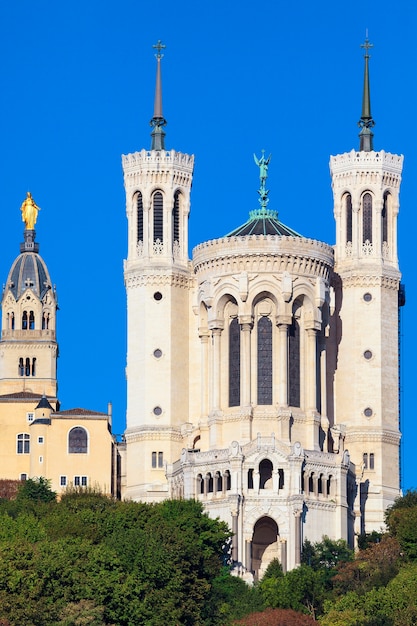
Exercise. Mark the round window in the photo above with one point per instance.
(157, 353)
(368, 412)
(367, 296)
(367, 354)
(157, 410)
(157, 295)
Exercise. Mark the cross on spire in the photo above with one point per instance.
(367, 45)
(159, 46)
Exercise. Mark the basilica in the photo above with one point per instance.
(262, 372)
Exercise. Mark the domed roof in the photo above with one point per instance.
(29, 270)
(263, 222)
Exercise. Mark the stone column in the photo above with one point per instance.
(204, 339)
(283, 364)
(297, 531)
(246, 325)
(312, 369)
(235, 539)
(248, 555)
(215, 369)
(356, 230)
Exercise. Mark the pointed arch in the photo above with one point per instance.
(139, 213)
(348, 210)
(158, 217)
(367, 217)
(176, 218)
(384, 217)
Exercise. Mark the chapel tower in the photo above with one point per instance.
(29, 350)
(157, 278)
(366, 185)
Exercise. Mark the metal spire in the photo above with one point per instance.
(158, 121)
(366, 122)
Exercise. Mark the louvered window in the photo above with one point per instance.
(367, 217)
(139, 208)
(294, 364)
(348, 218)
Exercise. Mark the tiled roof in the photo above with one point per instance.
(80, 412)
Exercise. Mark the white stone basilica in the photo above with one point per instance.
(263, 374)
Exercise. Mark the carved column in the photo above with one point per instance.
(312, 369)
(283, 363)
(215, 369)
(235, 539)
(297, 531)
(204, 339)
(246, 325)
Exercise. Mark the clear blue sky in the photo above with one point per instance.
(77, 83)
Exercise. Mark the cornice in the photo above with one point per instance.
(152, 433)
(270, 253)
(137, 278)
(384, 436)
(354, 278)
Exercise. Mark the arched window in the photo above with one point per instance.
(25, 320)
(176, 218)
(31, 321)
(21, 367)
(23, 443)
(294, 364)
(265, 474)
(158, 218)
(281, 479)
(199, 484)
(234, 363)
(219, 482)
(209, 479)
(27, 367)
(77, 440)
(250, 478)
(367, 218)
(385, 218)
(34, 366)
(348, 205)
(10, 321)
(264, 361)
(228, 480)
(139, 209)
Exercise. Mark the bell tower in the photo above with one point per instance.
(157, 279)
(366, 185)
(28, 346)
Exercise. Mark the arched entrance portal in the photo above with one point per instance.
(265, 545)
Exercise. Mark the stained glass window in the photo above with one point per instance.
(234, 363)
(264, 361)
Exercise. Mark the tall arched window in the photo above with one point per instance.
(34, 366)
(25, 320)
(234, 363)
(348, 206)
(294, 364)
(139, 210)
(31, 320)
(77, 440)
(27, 366)
(264, 361)
(23, 443)
(21, 367)
(158, 217)
(367, 218)
(176, 218)
(385, 218)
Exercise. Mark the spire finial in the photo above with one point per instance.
(158, 121)
(263, 163)
(366, 122)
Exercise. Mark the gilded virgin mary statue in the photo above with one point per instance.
(29, 210)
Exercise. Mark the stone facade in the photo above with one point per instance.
(262, 373)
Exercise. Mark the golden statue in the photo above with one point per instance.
(29, 210)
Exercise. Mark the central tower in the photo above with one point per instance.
(157, 278)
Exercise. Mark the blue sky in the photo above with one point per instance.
(77, 83)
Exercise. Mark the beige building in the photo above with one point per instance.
(73, 447)
(262, 373)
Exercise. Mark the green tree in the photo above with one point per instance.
(37, 490)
